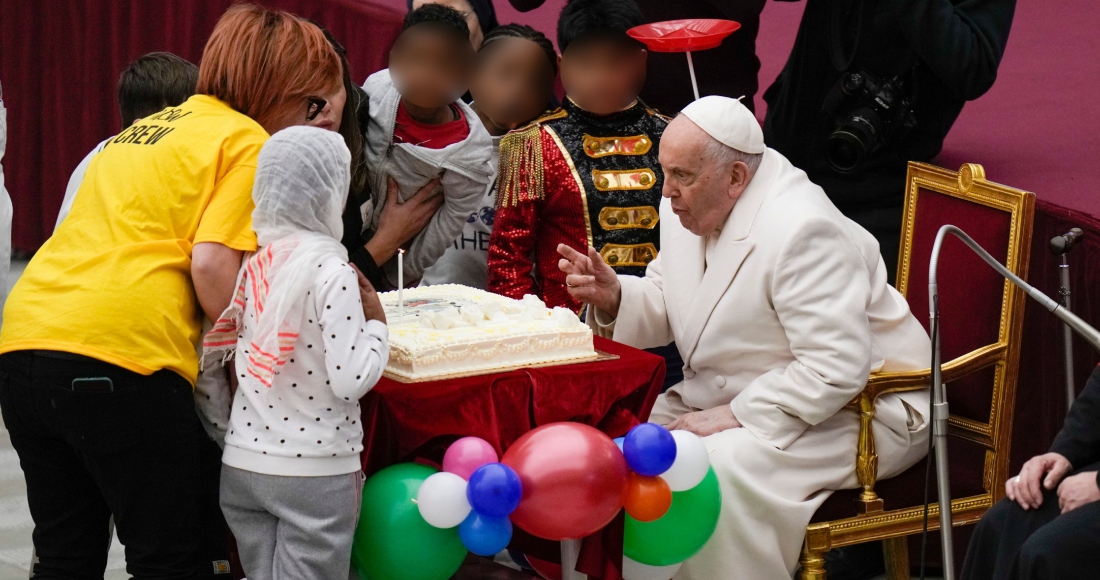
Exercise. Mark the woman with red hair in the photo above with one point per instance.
(97, 353)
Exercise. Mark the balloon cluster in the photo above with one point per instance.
(561, 481)
(475, 493)
(671, 498)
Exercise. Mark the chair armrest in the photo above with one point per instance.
(899, 382)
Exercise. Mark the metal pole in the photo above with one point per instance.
(691, 69)
(570, 552)
(1067, 334)
(940, 414)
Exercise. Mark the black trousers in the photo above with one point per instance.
(1040, 544)
(137, 453)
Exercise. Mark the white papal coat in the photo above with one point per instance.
(784, 323)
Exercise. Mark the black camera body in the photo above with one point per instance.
(870, 113)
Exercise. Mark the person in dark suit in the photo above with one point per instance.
(1049, 523)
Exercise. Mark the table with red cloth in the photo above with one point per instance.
(405, 422)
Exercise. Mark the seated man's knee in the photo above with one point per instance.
(1050, 551)
(1001, 513)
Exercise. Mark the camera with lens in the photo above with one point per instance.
(878, 112)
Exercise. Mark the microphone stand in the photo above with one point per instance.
(1060, 246)
(1067, 334)
(940, 411)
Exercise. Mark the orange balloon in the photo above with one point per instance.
(646, 498)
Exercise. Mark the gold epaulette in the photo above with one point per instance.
(521, 169)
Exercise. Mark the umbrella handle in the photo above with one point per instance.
(691, 69)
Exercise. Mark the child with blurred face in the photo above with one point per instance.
(420, 130)
(603, 72)
(430, 65)
(512, 85)
(514, 79)
(587, 173)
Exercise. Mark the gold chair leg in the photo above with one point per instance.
(867, 459)
(813, 564)
(895, 552)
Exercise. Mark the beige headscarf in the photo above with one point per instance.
(302, 180)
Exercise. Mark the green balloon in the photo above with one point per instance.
(392, 540)
(681, 532)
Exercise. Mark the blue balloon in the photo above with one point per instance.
(650, 449)
(494, 490)
(485, 536)
(619, 441)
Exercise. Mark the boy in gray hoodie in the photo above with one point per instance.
(419, 129)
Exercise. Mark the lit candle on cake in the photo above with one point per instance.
(400, 286)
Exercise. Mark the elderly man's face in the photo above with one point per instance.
(702, 193)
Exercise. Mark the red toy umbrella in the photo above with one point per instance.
(684, 36)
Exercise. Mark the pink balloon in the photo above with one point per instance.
(464, 456)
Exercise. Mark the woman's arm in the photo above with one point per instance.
(399, 223)
(214, 269)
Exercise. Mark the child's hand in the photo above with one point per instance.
(372, 306)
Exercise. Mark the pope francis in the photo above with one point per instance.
(780, 308)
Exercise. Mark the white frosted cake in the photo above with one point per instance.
(450, 330)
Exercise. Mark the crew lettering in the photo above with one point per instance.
(143, 134)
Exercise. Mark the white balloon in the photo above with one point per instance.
(442, 500)
(692, 462)
(633, 570)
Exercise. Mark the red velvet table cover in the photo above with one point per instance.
(418, 421)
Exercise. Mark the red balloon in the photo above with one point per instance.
(573, 477)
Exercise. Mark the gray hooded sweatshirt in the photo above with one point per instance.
(468, 170)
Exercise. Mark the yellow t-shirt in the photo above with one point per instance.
(114, 281)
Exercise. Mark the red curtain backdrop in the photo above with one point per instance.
(59, 66)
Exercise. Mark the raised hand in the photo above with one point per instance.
(590, 280)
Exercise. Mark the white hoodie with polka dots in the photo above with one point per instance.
(307, 423)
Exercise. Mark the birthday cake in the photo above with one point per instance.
(452, 330)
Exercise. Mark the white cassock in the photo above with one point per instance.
(782, 315)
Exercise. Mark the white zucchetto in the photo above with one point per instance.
(728, 121)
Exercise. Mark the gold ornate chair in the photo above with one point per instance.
(981, 322)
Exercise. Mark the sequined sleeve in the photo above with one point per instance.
(510, 250)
